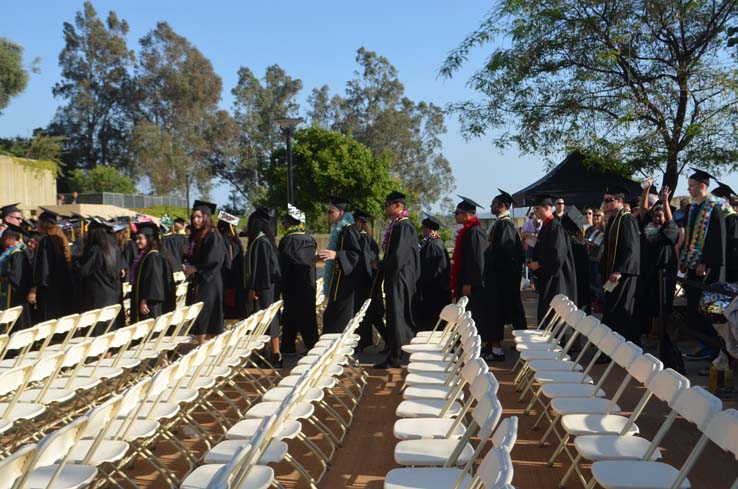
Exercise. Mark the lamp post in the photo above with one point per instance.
(288, 126)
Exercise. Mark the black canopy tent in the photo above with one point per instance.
(577, 184)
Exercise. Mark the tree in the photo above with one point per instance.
(257, 104)
(100, 179)
(377, 113)
(325, 110)
(96, 85)
(648, 83)
(177, 106)
(13, 76)
(327, 163)
(39, 147)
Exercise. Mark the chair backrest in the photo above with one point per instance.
(9, 317)
(697, 406)
(575, 317)
(76, 354)
(22, 339)
(45, 367)
(506, 433)
(100, 345)
(667, 384)
(561, 304)
(57, 444)
(121, 337)
(585, 326)
(16, 465)
(451, 313)
(224, 476)
(463, 302)
(487, 414)
(142, 329)
(473, 369)
(67, 323)
(194, 311)
(610, 343)
(483, 384)
(109, 313)
(723, 431)
(644, 367)
(496, 469)
(566, 310)
(598, 333)
(87, 319)
(13, 379)
(626, 353)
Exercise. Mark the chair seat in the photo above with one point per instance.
(50, 396)
(559, 376)
(530, 355)
(292, 380)
(424, 340)
(223, 452)
(331, 370)
(426, 408)
(426, 334)
(5, 425)
(556, 365)
(180, 395)
(430, 452)
(263, 409)
(426, 478)
(595, 424)
(629, 474)
(420, 367)
(22, 410)
(280, 393)
(335, 336)
(583, 405)
(76, 384)
(537, 346)
(141, 428)
(430, 378)
(430, 356)
(429, 391)
(161, 410)
(553, 390)
(108, 451)
(124, 363)
(100, 372)
(259, 477)
(418, 347)
(246, 428)
(533, 339)
(416, 428)
(613, 447)
(71, 476)
(527, 332)
(216, 372)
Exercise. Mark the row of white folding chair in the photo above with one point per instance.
(8, 318)
(450, 315)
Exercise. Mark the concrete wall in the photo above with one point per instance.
(25, 184)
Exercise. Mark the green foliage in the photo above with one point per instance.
(160, 210)
(100, 179)
(96, 86)
(327, 163)
(13, 76)
(645, 83)
(41, 151)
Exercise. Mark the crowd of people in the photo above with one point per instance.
(606, 257)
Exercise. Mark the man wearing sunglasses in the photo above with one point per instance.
(620, 265)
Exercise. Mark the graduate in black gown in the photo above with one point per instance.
(552, 261)
(503, 265)
(262, 273)
(573, 222)
(152, 284)
(205, 257)
(234, 298)
(703, 253)
(297, 251)
(433, 292)
(731, 230)
(401, 267)
(99, 268)
(175, 243)
(467, 267)
(371, 285)
(125, 244)
(620, 265)
(16, 275)
(53, 289)
(342, 272)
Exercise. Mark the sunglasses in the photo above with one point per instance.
(559, 203)
(608, 200)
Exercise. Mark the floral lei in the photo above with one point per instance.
(398, 217)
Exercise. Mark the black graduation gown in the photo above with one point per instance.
(557, 274)
(731, 247)
(434, 291)
(129, 253)
(262, 275)
(401, 267)
(174, 245)
(19, 280)
(234, 306)
(153, 282)
(622, 254)
(471, 271)
(52, 278)
(657, 253)
(296, 262)
(99, 289)
(364, 270)
(206, 285)
(582, 269)
(344, 278)
(503, 264)
(375, 314)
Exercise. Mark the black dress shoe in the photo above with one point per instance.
(494, 357)
(277, 360)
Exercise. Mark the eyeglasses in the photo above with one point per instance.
(17, 218)
(608, 200)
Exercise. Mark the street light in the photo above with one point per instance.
(288, 126)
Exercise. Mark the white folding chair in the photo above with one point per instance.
(9, 317)
(13, 467)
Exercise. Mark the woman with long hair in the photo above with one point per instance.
(53, 291)
(99, 269)
(262, 270)
(234, 305)
(152, 284)
(206, 255)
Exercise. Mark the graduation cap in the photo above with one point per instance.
(9, 209)
(204, 207)
(701, 176)
(48, 215)
(339, 203)
(148, 229)
(179, 220)
(573, 220)
(263, 213)
(96, 222)
(30, 226)
(229, 218)
(543, 199)
(467, 204)
(617, 191)
(394, 197)
(431, 222)
(359, 214)
(505, 198)
(724, 191)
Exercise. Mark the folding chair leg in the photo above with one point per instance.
(559, 449)
(301, 470)
(551, 428)
(574, 467)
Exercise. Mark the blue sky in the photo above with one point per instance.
(315, 41)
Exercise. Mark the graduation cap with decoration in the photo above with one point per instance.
(431, 222)
(339, 203)
(204, 207)
(6, 210)
(229, 218)
(505, 198)
(573, 220)
(295, 214)
(361, 215)
(467, 204)
(97, 222)
(148, 229)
